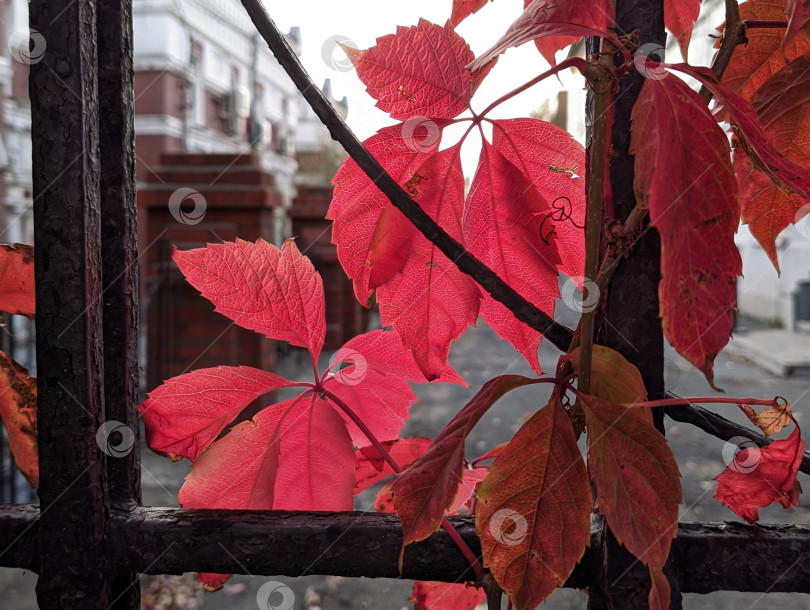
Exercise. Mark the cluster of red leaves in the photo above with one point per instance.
(526, 175)
(310, 452)
(772, 72)
(521, 217)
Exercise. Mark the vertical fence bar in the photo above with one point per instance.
(73, 571)
(119, 265)
(630, 323)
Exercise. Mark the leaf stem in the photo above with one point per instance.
(733, 35)
(571, 62)
(556, 333)
(478, 569)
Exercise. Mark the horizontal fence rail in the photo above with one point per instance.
(705, 557)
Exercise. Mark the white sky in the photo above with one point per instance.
(362, 21)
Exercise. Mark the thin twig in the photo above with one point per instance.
(733, 35)
(524, 311)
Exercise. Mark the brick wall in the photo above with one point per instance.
(345, 317)
(238, 199)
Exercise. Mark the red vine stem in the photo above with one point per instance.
(754, 23)
(571, 62)
(478, 569)
(723, 400)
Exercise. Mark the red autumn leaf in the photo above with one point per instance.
(419, 71)
(17, 279)
(533, 510)
(274, 292)
(782, 104)
(464, 8)
(18, 410)
(445, 596)
(470, 479)
(382, 351)
(764, 54)
(213, 582)
(358, 206)
(798, 12)
(758, 476)
(294, 455)
(694, 205)
(379, 248)
(555, 163)
(636, 478)
(679, 18)
(660, 591)
(372, 467)
(758, 145)
(566, 20)
(186, 414)
(613, 378)
(380, 401)
(502, 229)
(429, 302)
(425, 491)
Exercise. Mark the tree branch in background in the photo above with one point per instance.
(559, 335)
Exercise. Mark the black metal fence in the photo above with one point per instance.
(89, 538)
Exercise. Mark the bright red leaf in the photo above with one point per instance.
(798, 12)
(464, 8)
(502, 229)
(694, 204)
(18, 410)
(294, 455)
(679, 18)
(566, 20)
(426, 490)
(17, 279)
(783, 107)
(213, 582)
(758, 476)
(419, 71)
(555, 163)
(533, 510)
(636, 478)
(372, 467)
(445, 596)
(758, 145)
(274, 292)
(358, 206)
(430, 287)
(764, 54)
(186, 414)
